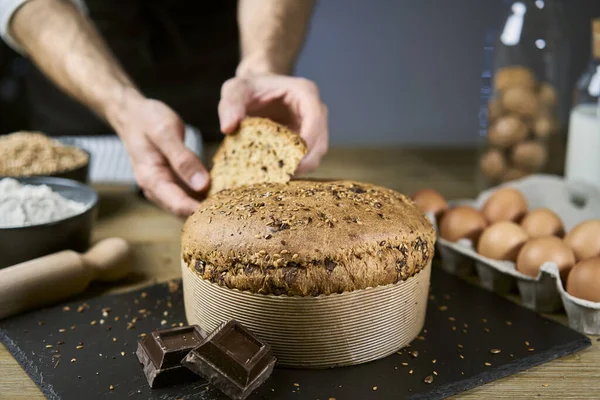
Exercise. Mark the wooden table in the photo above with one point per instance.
(154, 236)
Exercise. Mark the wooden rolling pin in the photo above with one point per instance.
(47, 280)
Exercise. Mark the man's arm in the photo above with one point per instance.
(67, 48)
(65, 45)
(272, 34)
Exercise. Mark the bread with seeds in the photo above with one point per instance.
(259, 151)
(307, 238)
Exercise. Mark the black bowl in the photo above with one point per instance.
(21, 244)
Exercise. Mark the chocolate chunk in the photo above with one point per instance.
(161, 353)
(232, 359)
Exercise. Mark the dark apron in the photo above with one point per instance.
(173, 53)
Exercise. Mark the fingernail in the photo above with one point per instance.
(198, 181)
(226, 121)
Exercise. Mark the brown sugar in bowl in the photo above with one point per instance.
(292, 261)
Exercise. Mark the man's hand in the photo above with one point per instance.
(292, 101)
(167, 171)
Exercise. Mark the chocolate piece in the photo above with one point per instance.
(162, 351)
(232, 359)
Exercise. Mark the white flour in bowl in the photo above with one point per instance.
(25, 205)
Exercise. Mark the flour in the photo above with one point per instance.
(25, 205)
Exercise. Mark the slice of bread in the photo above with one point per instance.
(259, 151)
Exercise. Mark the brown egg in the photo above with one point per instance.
(429, 200)
(462, 222)
(514, 76)
(506, 204)
(502, 241)
(542, 222)
(584, 239)
(521, 101)
(545, 126)
(512, 174)
(547, 95)
(584, 280)
(545, 249)
(529, 156)
(493, 164)
(507, 131)
(494, 109)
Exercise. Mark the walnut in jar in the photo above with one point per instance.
(507, 131)
(521, 101)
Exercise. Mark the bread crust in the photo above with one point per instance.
(307, 238)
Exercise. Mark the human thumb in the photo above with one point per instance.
(235, 95)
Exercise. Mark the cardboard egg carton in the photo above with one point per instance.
(574, 202)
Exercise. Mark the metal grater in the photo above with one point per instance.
(109, 162)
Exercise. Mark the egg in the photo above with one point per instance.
(493, 164)
(462, 222)
(545, 249)
(429, 200)
(583, 281)
(514, 76)
(522, 101)
(542, 222)
(507, 131)
(584, 239)
(502, 241)
(529, 156)
(505, 204)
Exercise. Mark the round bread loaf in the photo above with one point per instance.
(307, 238)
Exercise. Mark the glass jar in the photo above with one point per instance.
(525, 98)
(582, 161)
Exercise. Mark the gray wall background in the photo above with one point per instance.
(408, 71)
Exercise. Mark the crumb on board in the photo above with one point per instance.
(374, 387)
(487, 364)
(173, 286)
(73, 360)
(428, 379)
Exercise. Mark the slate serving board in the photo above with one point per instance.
(458, 349)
